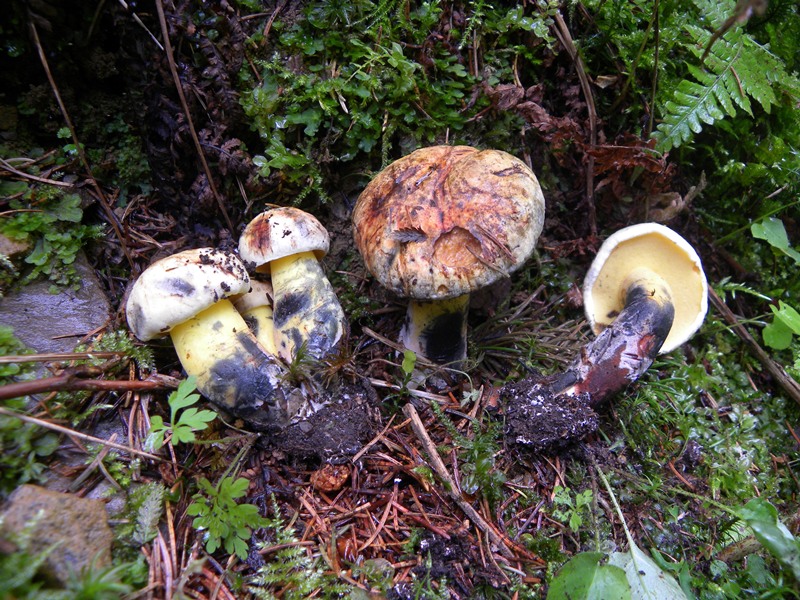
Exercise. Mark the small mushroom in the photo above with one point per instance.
(256, 308)
(186, 296)
(288, 243)
(440, 223)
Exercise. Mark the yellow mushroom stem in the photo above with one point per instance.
(437, 329)
(232, 369)
(307, 311)
(261, 323)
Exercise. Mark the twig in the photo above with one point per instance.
(563, 35)
(450, 485)
(7, 167)
(112, 218)
(82, 436)
(789, 385)
(71, 380)
(185, 105)
(57, 356)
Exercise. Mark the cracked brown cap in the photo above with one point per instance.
(446, 220)
(176, 288)
(280, 232)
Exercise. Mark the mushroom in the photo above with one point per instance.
(440, 223)
(653, 261)
(186, 296)
(644, 294)
(256, 308)
(287, 243)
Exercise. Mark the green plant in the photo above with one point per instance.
(185, 419)
(49, 219)
(144, 508)
(226, 523)
(571, 510)
(736, 69)
(291, 570)
(23, 446)
(477, 457)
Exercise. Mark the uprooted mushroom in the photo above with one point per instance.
(645, 294)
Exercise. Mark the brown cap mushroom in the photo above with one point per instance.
(288, 243)
(441, 223)
(186, 296)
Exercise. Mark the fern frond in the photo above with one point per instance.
(737, 70)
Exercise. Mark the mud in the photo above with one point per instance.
(542, 421)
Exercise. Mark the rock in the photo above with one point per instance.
(55, 322)
(77, 526)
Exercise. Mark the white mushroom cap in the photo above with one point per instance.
(260, 294)
(280, 232)
(446, 220)
(664, 252)
(176, 288)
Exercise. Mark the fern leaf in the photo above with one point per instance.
(737, 70)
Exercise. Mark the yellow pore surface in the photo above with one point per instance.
(665, 258)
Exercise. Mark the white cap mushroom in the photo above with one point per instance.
(652, 256)
(288, 243)
(256, 308)
(186, 296)
(440, 223)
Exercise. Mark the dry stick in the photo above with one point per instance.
(179, 87)
(450, 485)
(789, 385)
(56, 356)
(82, 436)
(70, 380)
(8, 167)
(562, 32)
(112, 218)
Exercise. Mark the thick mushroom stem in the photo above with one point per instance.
(307, 310)
(256, 308)
(232, 369)
(437, 329)
(626, 348)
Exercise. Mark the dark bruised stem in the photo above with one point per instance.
(437, 330)
(624, 350)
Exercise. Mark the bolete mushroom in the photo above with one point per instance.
(288, 243)
(440, 223)
(644, 294)
(186, 296)
(256, 308)
(653, 261)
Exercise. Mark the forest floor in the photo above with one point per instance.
(410, 492)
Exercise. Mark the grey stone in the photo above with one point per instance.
(55, 322)
(76, 527)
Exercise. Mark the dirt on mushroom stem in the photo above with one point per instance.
(554, 412)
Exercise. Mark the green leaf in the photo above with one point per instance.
(788, 316)
(777, 335)
(183, 397)
(762, 518)
(773, 231)
(647, 580)
(586, 577)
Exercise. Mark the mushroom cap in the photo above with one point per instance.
(260, 294)
(446, 220)
(176, 288)
(280, 232)
(664, 252)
